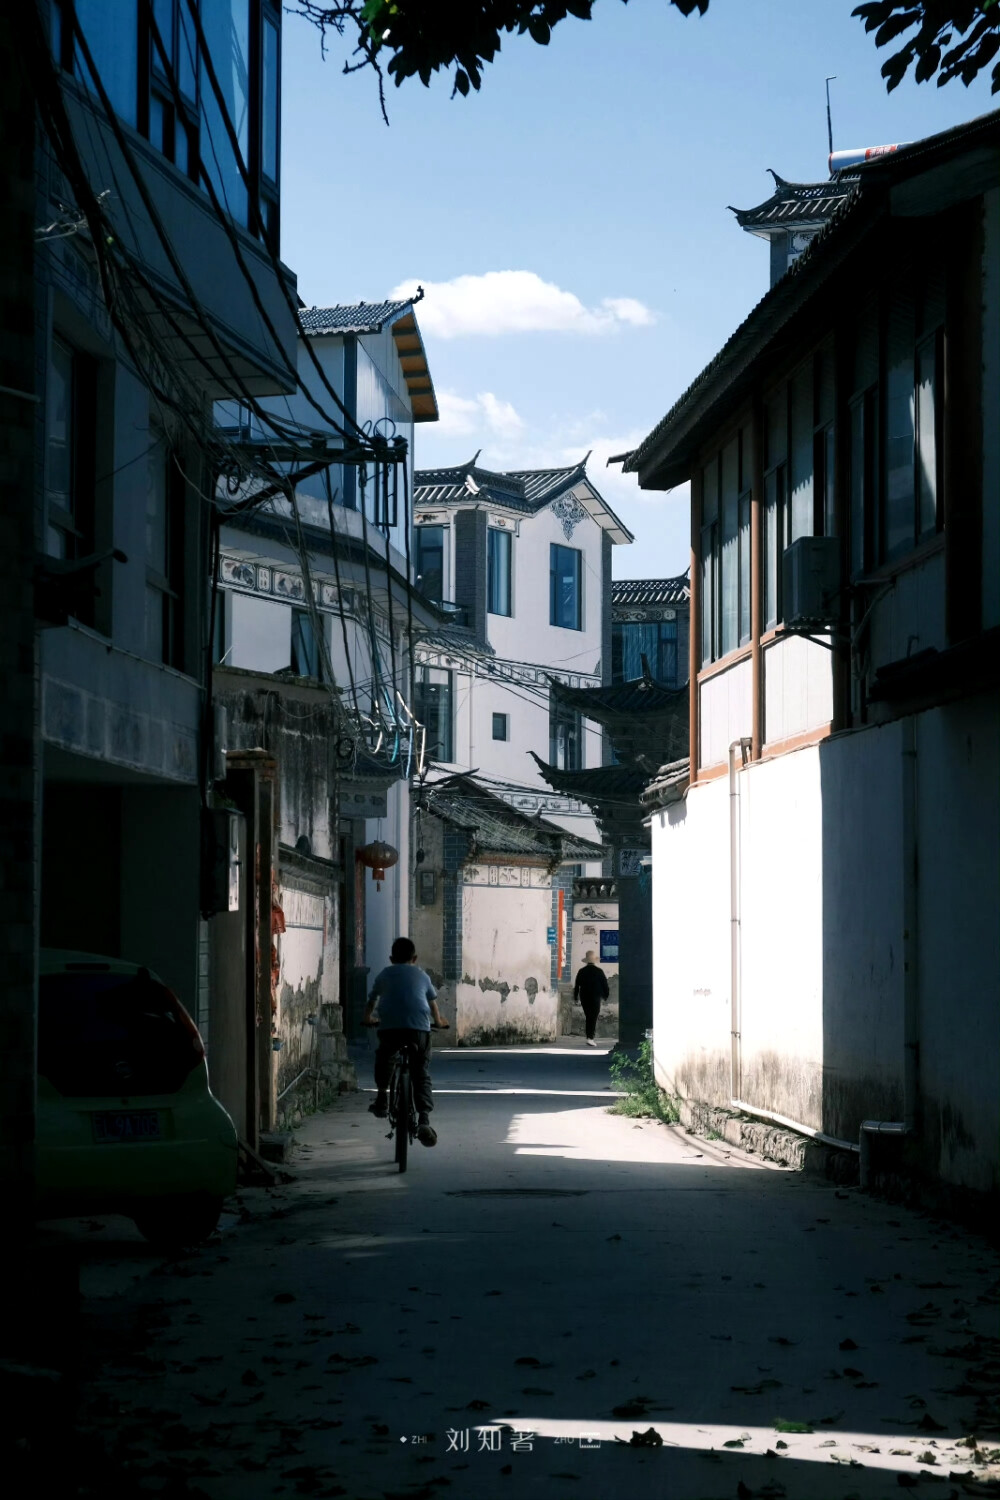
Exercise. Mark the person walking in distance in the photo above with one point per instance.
(407, 1005)
(590, 988)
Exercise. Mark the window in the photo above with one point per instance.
(164, 551)
(383, 483)
(306, 660)
(501, 725)
(70, 421)
(656, 640)
(498, 590)
(565, 737)
(433, 709)
(429, 561)
(725, 550)
(911, 453)
(154, 69)
(565, 587)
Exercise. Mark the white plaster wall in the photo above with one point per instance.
(527, 635)
(504, 990)
(387, 911)
(798, 687)
(991, 409)
(958, 753)
(585, 934)
(690, 906)
(781, 935)
(725, 711)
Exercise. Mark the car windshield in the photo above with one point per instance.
(104, 1033)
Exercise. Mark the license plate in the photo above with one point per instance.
(135, 1125)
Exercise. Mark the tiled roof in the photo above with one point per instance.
(612, 700)
(634, 591)
(597, 784)
(804, 277)
(668, 785)
(521, 489)
(796, 203)
(355, 317)
(498, 828)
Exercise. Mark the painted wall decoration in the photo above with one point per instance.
(609, 945)
(569, 512)
(630, 861)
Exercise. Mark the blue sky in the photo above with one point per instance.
(570, 221)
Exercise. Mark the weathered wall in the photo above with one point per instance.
(504, 993)
(991, 406)
(821, 884)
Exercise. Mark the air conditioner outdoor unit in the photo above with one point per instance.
(811, 581)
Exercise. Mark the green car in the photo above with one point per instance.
(126, 1122)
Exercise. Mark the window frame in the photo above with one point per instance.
(504, 721)
(311, 649)
(572, 743)
(421, 682)
(76, 521)
(556, 548)
(419, 533)
(168, 582)
(498, 541)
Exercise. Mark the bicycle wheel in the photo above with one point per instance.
(402, 1117)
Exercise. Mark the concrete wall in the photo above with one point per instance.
(504, 993)
(821, 937)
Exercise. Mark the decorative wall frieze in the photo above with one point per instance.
(286, 585)
(492, 667)
(641, 615)
(569, 512)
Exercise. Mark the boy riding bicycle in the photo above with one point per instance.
(407, 1006)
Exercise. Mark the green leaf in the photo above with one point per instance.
(781, 1424)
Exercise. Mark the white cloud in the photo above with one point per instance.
(500, 302)
(461, 415)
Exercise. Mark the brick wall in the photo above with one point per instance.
(456, 847)
(470, 565)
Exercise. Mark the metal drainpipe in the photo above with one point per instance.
(911, 962)
(735, 1054)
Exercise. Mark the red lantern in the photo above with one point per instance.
(378, 857)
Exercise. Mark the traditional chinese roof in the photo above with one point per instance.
(372, 317)
(497, 828)
(614, 699)
(666, 456)
(598, 784)
(631, 592)
(524, 491)
(351, 317)
(796, 205)
(668, 785)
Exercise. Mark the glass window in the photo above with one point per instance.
(270, 66)
(59, 452)
(565, 579)
(565, 738)
(112, 34)
(429, 561)
(774, 530)
(863, 475)
(227, 32)
(744, 544)
(433, 708)
(927, 446)
(163, 15)
(306, 660)
(500, 726)
(709, 591)
(498, 592)
(187, 53)
(800, 521)
(730, 562)
(900, 410)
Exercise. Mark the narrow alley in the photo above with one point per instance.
(555, 1300)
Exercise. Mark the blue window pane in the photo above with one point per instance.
(163, 15)
(227, 32)
(269, 100)
(564, 587)
(111, 29)
(498, 572)
(187, 60)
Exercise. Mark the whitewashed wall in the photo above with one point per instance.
(504, 992)
(821, 925)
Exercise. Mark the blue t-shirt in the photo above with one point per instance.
(404, 993)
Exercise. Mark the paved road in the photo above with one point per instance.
(550, 1269)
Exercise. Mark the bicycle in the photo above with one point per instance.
(403, 1122)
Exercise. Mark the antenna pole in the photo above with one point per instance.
(829, 119)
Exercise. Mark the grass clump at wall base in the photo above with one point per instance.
(643, 1097)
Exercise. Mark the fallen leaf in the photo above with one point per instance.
(782, 1425)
